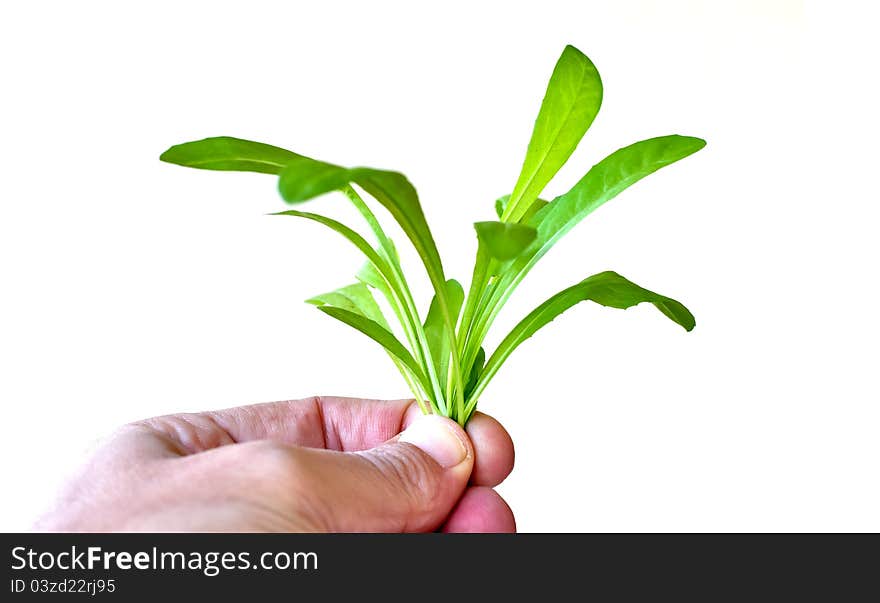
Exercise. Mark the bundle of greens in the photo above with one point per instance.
(442, 357)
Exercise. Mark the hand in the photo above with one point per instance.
(318, 464)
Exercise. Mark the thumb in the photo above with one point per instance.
(408, 484)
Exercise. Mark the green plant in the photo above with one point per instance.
(443, 360)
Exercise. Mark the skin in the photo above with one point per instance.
(315, 465)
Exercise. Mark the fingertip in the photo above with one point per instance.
(493, 450)
(481, 510)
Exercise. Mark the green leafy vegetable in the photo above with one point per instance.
(442, 358)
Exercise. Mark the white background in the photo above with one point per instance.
(132, 288)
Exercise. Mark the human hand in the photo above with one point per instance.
(318, 464)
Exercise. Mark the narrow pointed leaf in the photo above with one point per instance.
(230, 154)
(606, 288)
(571, 102)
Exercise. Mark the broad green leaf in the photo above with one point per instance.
(504, 240)
(228, 153)
(435, 331)
(354, 298)
(380, 335)
(571, 102)
(606, 288)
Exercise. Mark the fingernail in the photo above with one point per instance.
(436, 437)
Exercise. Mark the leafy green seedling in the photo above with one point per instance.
(442, 357)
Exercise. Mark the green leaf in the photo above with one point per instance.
(435, 331)
(380, 335)
(354, 298)
(231, 154)
(571, 102)
(505, 240)
(606, 180)
(606, 288)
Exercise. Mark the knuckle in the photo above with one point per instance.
(405, 470)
